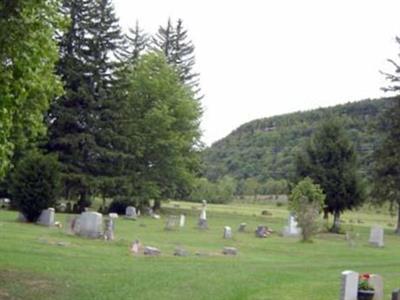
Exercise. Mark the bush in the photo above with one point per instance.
(35, 184)
(306, 201)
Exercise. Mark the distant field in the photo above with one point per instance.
(33, 266)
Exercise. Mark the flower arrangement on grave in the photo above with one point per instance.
(365, 290)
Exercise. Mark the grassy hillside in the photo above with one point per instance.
(34, 266)
(265, 148)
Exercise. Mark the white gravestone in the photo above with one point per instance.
(47, 217)
(182, 221)
(227, 232)
(376, 236)
(376, 282)
(203, 216)
(130, 212)
(109, 230)
(292, 229)
(91, 224)
(349, 288)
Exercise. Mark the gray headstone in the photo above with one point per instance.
(109, 229)
(47, 217)
(396, 294)
(130, 212)
(349, 285)
(242, 227)
(172, 222)
(229, 251)
(227, 232)
(90, 224)
(179, 251)
(376, 236)
(136, 247)
(376, 281)
(152, 251)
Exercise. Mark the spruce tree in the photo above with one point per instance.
(137, 43)
(77, 132)
(329, 160)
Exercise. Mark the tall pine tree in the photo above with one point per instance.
(86, 67)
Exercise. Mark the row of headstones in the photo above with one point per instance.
(136, 248)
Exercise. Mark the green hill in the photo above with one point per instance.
(265, 148)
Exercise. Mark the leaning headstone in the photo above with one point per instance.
(90, 224)
(172, 223)
(396, 294)
(130, 212)
(109, 230)
(229, 251)
(292, 228)
(136, 247)
(152, 251)
(376, 281)
(182, 220)
(376, 236)
(242, 227)
(349, 286)
(47, 217)
(227, 232)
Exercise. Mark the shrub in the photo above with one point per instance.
(306, 201)
(35, 184)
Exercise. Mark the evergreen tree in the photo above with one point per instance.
(77, 132)
(387, 154)
(330, 161)
(137, 43)
(179, 51)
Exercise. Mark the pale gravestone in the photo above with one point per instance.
(152, 251)
(376, 282)
(109, 230)
(203, 216)
(376, 236)
(135, 247)
(227, 232)
(229, 251)
(47, 217)
(292, 228)
(90, 225)
(130, 212)
(182, 220)
(349, 286)
(172, 222)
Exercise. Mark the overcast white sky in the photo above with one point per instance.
(262, 58)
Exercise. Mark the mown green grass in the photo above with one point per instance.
(33, 266)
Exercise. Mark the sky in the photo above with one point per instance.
(259, 58)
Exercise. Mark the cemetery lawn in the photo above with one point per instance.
(34, 266)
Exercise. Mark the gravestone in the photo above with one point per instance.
(90, 224)
(242, 227)
(182, 220)
(396, 294)
(292, 228)
(130, 212)
(203, 216)
(376, 236)
(179, 251)
(262, 231)
(349, 286)
(109, 230)
(47, 217)
(152, 251)
(21, 217)
(113, 215)
(227, 232)
(229, 251)
(136, 247)
(172, 222)
(376, 281)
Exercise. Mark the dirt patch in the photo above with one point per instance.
(16, 285)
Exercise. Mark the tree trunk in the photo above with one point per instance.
(326, 214)
(336, 222)
(397, 231)
(157, 205)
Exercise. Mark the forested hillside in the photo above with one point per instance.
(265, 148)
